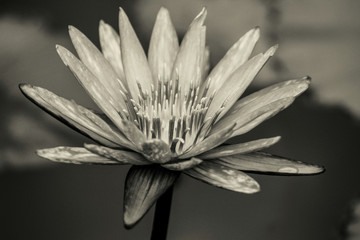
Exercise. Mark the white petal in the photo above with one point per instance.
(224, 177)
(164, 46)
(133, 133)
(266, 163)
(237, 55)
(110, 45)
(183, 165)
(210, 142)
(232, 149)
(286, 89)
(189, 61)
(250, 118)
(283, 92)
(95, 89)
(125, 157)
(75, 155)
(136, 66)
(99, 66)
(143, 186)
(78, 117)
(206, 63)
(237, 82)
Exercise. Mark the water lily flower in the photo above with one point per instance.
(166, 114)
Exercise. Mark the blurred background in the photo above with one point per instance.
(43, 200)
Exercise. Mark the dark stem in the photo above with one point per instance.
(162, 215)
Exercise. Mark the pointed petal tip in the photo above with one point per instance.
(306, 169)
(276, 139)
(163, 11)
(74, 32)
(60, 49)
(102, 25)
(129, 221)
(27, 90)
(307, 78)
(316, 169)
(256, 30)
(200, 18)
(122, 14)
(71, 28)
(24, 86)
(64, 54)
(41, 153)
(272, 50)
(255, 189)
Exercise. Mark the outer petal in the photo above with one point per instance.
(163, 48)
(110, 45)
(210, 142)
(133, 133)
(266, 163)
(282, 90)
(126, 157)
(99, 66)
(183, 165)
(224, 177)
(189, 61)
(278, 93)
(237, 55)
(143, 186)
(136, 66)
(78, 117)
(233, 149)
(251, 117)
(237, 82)
(96, 90)
(75, 155)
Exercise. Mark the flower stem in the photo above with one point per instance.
(162, 215)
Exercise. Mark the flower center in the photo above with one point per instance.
(166, 114)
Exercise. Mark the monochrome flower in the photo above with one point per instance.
(165, 113)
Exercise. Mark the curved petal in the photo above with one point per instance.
(233, 149)
(237, 82)
(125, 157)
(206, 64)
(164, 45)
(189, 60)
(110, 46)
(237, 55)
(95, 89)
(133, 133)
(273, 98)
(282, 92)
(210, 142)
(267, 163)
(75, 155)
(99, 66)
(76, 116)
(224, 177)
(135, 63)
(275, 92)
(183, 165)
(143, 186)
(251, 117)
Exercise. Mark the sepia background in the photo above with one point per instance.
(44, 200)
